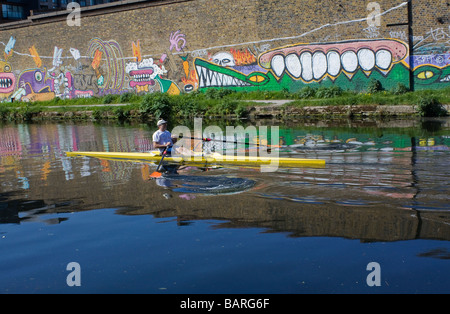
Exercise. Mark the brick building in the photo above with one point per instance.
(177, 46)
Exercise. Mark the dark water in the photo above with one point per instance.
(382, 197)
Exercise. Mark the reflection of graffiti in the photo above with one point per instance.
(316, 61)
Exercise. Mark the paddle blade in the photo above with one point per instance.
(156, 174)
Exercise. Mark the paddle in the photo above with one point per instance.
(206, 139)
(157, 173)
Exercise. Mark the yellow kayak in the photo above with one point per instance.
(215, 158)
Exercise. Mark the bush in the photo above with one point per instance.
(126, 97)
(400, 89)
(156, 104)
(306, 92)
(374, 86)
(227, 107)
(214, 93)
(241, 111)
(328, 92)
(121, 113)
(430, 107)
(4, 112)
(108, 99)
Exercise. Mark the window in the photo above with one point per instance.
(12, 11)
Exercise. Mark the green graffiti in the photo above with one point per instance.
(430, 74)
(213, 75)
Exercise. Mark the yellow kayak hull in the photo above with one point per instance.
(215, 159)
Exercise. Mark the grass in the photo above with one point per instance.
(219, 102)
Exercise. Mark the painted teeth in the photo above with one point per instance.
(142, 77)
(209, 78)
(366, 59)
(309, 66)
(86, 95)
(334, 63)
(5, 83)
(293, 65)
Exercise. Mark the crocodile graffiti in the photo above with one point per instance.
(291, 67)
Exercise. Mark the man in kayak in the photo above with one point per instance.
(162, 138)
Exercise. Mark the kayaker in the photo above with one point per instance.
(162, 138)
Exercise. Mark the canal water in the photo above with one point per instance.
(374, 219)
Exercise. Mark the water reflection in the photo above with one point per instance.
(379, 184)
(208, 185)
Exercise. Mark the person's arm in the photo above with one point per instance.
(156, 145)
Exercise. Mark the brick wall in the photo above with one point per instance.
(242, 45)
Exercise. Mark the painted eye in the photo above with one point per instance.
(7, 68)
(427, 73)
(38, 76)
(258, 78)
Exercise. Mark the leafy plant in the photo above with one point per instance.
(126, 97)
(227, 106)
(430, 107)
(328, 92)
(108, 99)
(122, 113)
(213, 93)
(157, 104)
(241, 111)
(306, 92)
(374, 86)
(400, 89)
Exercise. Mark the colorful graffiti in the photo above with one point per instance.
(103, 70)
(431, 58)
(7, 80)
(291, 67)
(35, 85)
(105, 67)
(317, 61)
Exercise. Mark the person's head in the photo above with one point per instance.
(162, 125)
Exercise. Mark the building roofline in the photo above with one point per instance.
(98, 9)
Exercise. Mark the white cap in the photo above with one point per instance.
(162, 121)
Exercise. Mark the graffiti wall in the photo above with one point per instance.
(347, 51)
(431, 58)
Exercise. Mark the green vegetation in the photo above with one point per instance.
(430, 107)
(220, 103)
